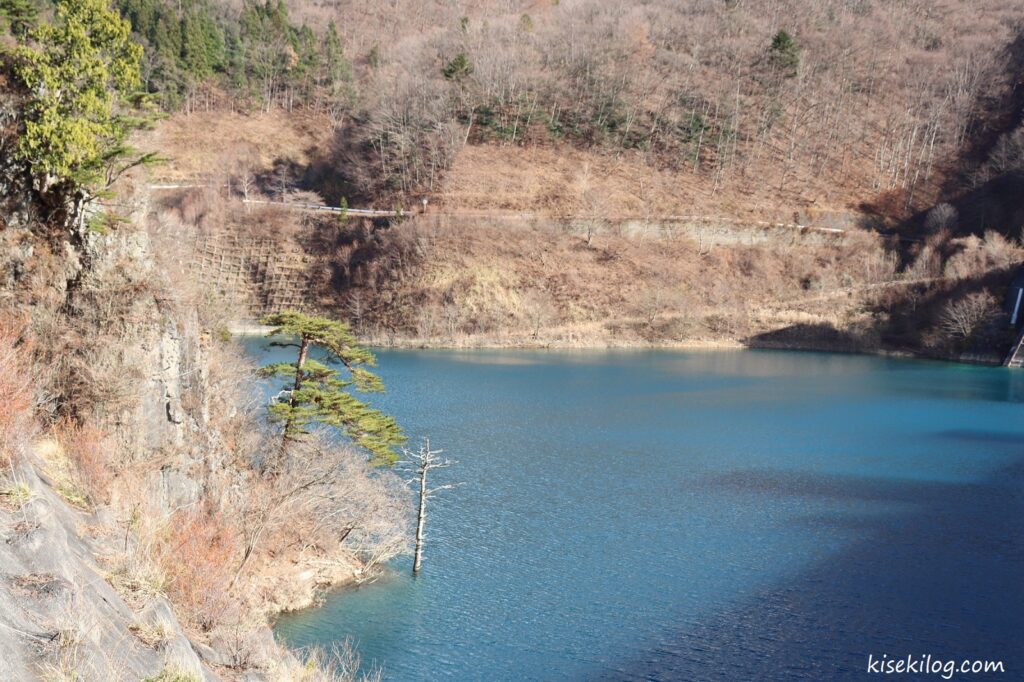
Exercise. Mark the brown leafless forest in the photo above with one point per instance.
(874, 99)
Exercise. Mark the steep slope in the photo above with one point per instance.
(771, 105)
(61, 619)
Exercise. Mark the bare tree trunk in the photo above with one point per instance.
(293, 401)
(250, 546)
(421, 518)
(303, 351)
(423, 461)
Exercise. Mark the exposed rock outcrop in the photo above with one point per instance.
(58, 613)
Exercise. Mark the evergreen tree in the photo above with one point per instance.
(458, 69)
(336, 68)
(185, 45)
(78, 71)
(374, 58)
(202, 48)
(343, 218)
(268, 48)
(260, 54)
(318, 393)
(784, 52)
(234, 60)
(306, 65)
(213, 41)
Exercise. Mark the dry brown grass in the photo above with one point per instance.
(63, 475)
(561, 180)
(205, 146)
(339, 664)
(15, 495)
(185, 555)
(491, 282)
(16, 387)
(197, 556)
(90, 454)
(152, 635)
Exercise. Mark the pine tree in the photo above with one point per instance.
(260, 54)
(234, 59)
(374, 58)
(459, 68)
(305, 69)
(195, 51)
(318, 393)
(336, 69)
(343, 217)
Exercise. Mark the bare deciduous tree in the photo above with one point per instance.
(963, 318)
(356, 306)
(539, 310)
(941, 217)
(327, 498)
(657, 301)
(423, 462)
(452, 315)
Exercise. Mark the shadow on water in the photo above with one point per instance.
(982, 436)
(941, 574)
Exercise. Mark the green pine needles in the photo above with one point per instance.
(458, 69)
(318, 393)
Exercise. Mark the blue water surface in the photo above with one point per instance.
(747, 515)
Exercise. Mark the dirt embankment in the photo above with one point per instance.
(545, 285)
(444, 280)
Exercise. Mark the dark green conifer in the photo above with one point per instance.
(336, 69)
(459, 68)
(20, 15)
(319, 393)
(784, 52)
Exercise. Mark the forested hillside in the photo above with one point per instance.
(831, 104)
(590, 117)
(256, 55)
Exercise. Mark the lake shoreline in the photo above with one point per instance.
(246, 328)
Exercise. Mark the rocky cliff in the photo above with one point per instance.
(94, 576)
(60, 616)
(131, 494)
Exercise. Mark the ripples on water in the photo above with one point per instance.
(699, 516)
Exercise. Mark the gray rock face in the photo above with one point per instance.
(15, 208)
(59, 614)
(159, 348)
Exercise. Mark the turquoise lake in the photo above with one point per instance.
(747, 515)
